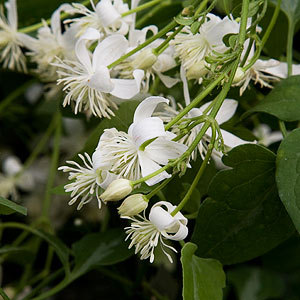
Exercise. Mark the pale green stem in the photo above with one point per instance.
(198, 176)
(35, 27)
(201, 7)
(16, 93)
(195, 102)
(141, 7)
(265, 37)
(164, 45)
(3, 294)
(53, 166)
(143, 45)
(282, 128)
(46, 281)
(157, 189)
(289, 47)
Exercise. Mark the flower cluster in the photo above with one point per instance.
(97, 58)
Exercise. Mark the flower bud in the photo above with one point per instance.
(239, 75)
(117, 190)
(133, 205)
(197, 71)
(144, 60)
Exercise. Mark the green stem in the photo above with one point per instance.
(3, 294)
(198, 176)
(265, 37)
(35, 27)
(164, 45)
(140, 7)
(143, 45)
(196, 101)
(53, 166)
(201, 7)
(282, 128)
(289, 47)
(157, 189)
(54, 290)
(16, 93)
(45, 282)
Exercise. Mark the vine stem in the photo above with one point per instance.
(140, 7)
(3, 294)
(265, 37)
(53, 166)
(198, 176)
(161, 33)
(289, 48)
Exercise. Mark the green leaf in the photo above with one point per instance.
(121, 121)
(244, 217)
(195, 27)
(203, 278)
(291, 8)
(282, 102)
(99, 249)
(252, 283)
(8, 207)
(184, 20)
(288, 175)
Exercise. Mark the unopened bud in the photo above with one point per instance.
(239, 75)
(117, 190)
(197, 71)
(133, 205)
(144, 60)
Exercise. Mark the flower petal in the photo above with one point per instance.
(12, 15)
(226, 111)
(55, 18)
(107, 13)
(147, 107)
(148, 166)
(181, 233)
(101, 80)
(231, 140)
(128, 88)
(162, 150)
(109, 50)
(81, 51)
(160, 217)
(146, 129)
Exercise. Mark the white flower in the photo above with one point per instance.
(87, 180)
(145, 234)
(105, 17)
(87, 81)
(264, 72)
(13, 178)
(265, 135)
(52, 42)
(145, 59)
(123, 154)
(11, 40)
(192, 49)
